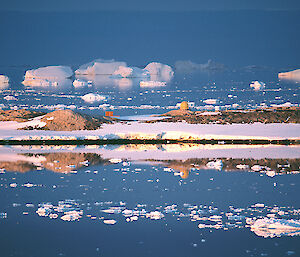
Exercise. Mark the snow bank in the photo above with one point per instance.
(131, 72)
(257, 85)
(292, 75)
(276, 227)
(91, 98)
(100, 67)
(159, 71)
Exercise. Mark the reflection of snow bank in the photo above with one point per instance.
(293, 75)
(159, 71)
(276, 227)
(131, 72)
(91, 98)
(152, 84)
(100, 67)
(218, 164)
(10, 98)
(210, 101)
(257, 85)
(49, 72)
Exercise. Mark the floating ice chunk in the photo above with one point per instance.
(259, 205)
(270, 173)
(210, 101)
(131, 72)
(110, 222)
(91, 98)
(218, 164)
(152, 83)
(10, 98)
(100, 67)
(49, 72)
(13, 184)
(242, 166)
(80, 83)
(257, 85)
(256, 168)
(292, 75)
(115, 160)
(159, 71)
(276, 227)
(155, 215)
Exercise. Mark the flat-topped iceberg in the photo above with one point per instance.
(291, 75)
(48, 76)
(159, 71)
(49, 72)
(100, 67)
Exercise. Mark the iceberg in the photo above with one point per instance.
(50, 76)
(91, 98)
(190, 67)
(80, 83)
(159, 71)
(276, 227)
(131, 72)
(4, 79)
(50, 73)
(100, 67)
(290, 75)
(257, 85)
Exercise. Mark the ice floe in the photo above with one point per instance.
(91, 98)
(10, 98)
(257, 85)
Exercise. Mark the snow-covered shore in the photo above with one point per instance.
(158, 131)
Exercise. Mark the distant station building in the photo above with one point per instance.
(109, 113)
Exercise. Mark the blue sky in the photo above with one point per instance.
(151, 5)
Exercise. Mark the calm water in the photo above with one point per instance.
(164, 201)
(164, 206)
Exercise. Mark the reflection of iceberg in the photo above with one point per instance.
(152, 83)
(276, 227)
(48, 83)
(159, 71)
(290, 75)
(100, 67)
(4, 82)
